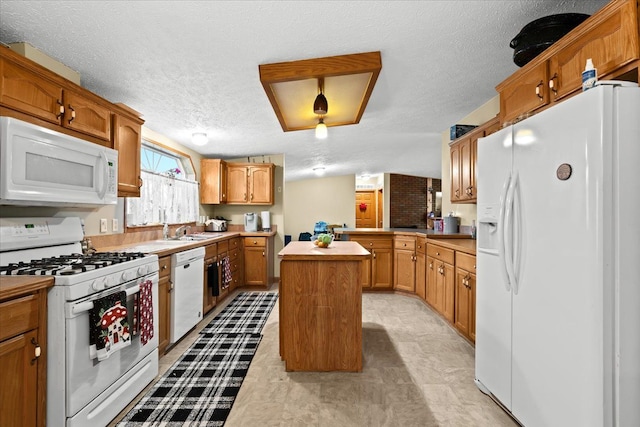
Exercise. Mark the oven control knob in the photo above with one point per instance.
(128, 275)
(98, 285)
(143, 270)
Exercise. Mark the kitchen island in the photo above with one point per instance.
(321, 306)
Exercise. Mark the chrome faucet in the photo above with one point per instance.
(182, 230)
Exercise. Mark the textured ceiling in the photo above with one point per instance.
(192, 66)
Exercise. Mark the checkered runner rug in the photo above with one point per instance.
(200, 388)
(246, 314)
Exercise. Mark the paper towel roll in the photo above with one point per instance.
(265, 216)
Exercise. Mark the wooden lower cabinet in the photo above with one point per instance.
(440, 280)
(237, 267)
(465, 307)
(258, 261)
(421, 267)
(165, 287)
(404, 266)
(377, 270)
(23, 355)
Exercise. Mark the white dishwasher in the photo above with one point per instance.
(187, 276)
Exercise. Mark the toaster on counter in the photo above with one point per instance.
(216, 225)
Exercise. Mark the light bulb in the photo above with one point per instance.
(321, 130)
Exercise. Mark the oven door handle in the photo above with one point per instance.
(88, 305)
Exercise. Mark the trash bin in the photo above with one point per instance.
(287, 239)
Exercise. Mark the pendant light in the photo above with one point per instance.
(320, 107)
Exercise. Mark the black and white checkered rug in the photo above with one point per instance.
(200, 388)
(246, 314)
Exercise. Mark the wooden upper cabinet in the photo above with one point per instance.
(127, 137)
(25, 91)
(237, 182)
(463, 162)
(456, 183)
(261, 184)
(213, 181)
(87, 116)
(527, 93)
(250, 183)
(610, 37)
(611, 41)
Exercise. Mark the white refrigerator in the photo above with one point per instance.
(558, 262)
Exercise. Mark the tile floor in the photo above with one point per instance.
(417, 372)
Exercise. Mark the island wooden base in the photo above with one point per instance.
(321, 312)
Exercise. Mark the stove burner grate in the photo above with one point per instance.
(66, 265)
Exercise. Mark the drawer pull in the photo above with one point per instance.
(61, 109)
(552, 84)
(73, 114)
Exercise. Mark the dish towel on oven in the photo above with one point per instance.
(226, 272)
(108, 325)
(145, 312)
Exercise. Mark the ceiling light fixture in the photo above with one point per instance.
(291, 85)
(199, 138)
(319, 170)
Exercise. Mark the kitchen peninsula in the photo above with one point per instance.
(321, 306)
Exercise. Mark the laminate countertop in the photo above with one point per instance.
(167, 247)
(337, 250)
(13, 286)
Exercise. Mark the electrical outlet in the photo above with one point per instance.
(103, 225)
(114, 224)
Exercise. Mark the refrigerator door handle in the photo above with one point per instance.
(501, 244)
(508, 231)
(517, 233)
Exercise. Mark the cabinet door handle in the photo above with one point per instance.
(251, 198)
(431, 265)
(60, 109)
(244, 197)
(139, 182)
(374, 254)
(73, 114)
(37, 351)
(552, 84)
(539, 91)
(263, 253)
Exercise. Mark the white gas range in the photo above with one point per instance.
(96, 367)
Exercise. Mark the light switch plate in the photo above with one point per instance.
(114, 224)
(103, 225)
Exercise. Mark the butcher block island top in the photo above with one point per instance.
(321, 306)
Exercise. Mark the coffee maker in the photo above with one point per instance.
(251, 222)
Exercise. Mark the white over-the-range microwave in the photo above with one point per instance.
(42, 167)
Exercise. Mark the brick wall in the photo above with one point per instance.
(408, 201)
